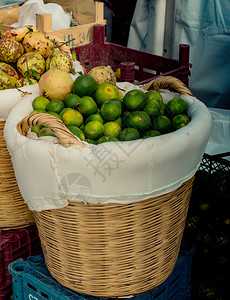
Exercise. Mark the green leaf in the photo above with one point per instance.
(35, 75)
(74, 55)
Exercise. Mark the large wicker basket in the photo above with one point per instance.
(112, 250)
(14, 213)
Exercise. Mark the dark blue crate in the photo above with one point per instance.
(31, 280)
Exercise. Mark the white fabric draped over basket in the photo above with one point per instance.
(49, 175)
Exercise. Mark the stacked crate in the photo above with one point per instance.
(208, 227)
(32, 280)
(15, 244)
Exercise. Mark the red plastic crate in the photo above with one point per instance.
(147, 66)
(15, 244)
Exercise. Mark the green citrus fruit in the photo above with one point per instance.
(129, 134)
(121, 96)
(46, 131)
(54, 114)
(72, 100)
(87, 106)
(94, 117)
(151, 133)
(105, 92)
(36, 128)
(82, 126)
(38, 111)
(139, 120)
(72, 117)
(118, 101)
(55, 106)
(110, 111)
(40, 102)
(162, 124)
(118, 121)
(105, 139)
(175, 106)
(90, 141)
(84, 85)
(112, 129)
(152, 108)
(125, 118)
(94, 130)
(64, 110)
(77, 131)
(162, 111)
(180, 121)
(154, 95)
(134, 99)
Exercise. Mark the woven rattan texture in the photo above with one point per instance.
(14, 213)
(65, 137)
(162, 82)
(114, 250)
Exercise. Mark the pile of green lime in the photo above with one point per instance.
(99, 114)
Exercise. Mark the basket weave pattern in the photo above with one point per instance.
(114, 249)
(14, 213)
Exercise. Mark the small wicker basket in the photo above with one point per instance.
(14, 213)
(112, 250)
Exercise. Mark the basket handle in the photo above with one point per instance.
(65, 136)
(162, 82)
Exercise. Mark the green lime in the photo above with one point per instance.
(162, 111)
(94, 117)
(82, 126)
(151, 133)
(152, 107)
(90, 141)
(139, 120)
(105, 139)
(36, 128)
(134, 99)
(162, 124)
(176, 106)
(38, 111)
(121, 96)
(94, 130)
(54, 114)
(72, 117)
(55, 106)
(154, 95)
(125, 118)
(46, 131)
(105, 91)
(40, 102)
(118, 101)
(112, 129)
(129, 134)
(64, 110)
(72, 100)
(84, 85)
(180, 121)
(118, 121)
(87, 106)
(77, 131)
(110, 111)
